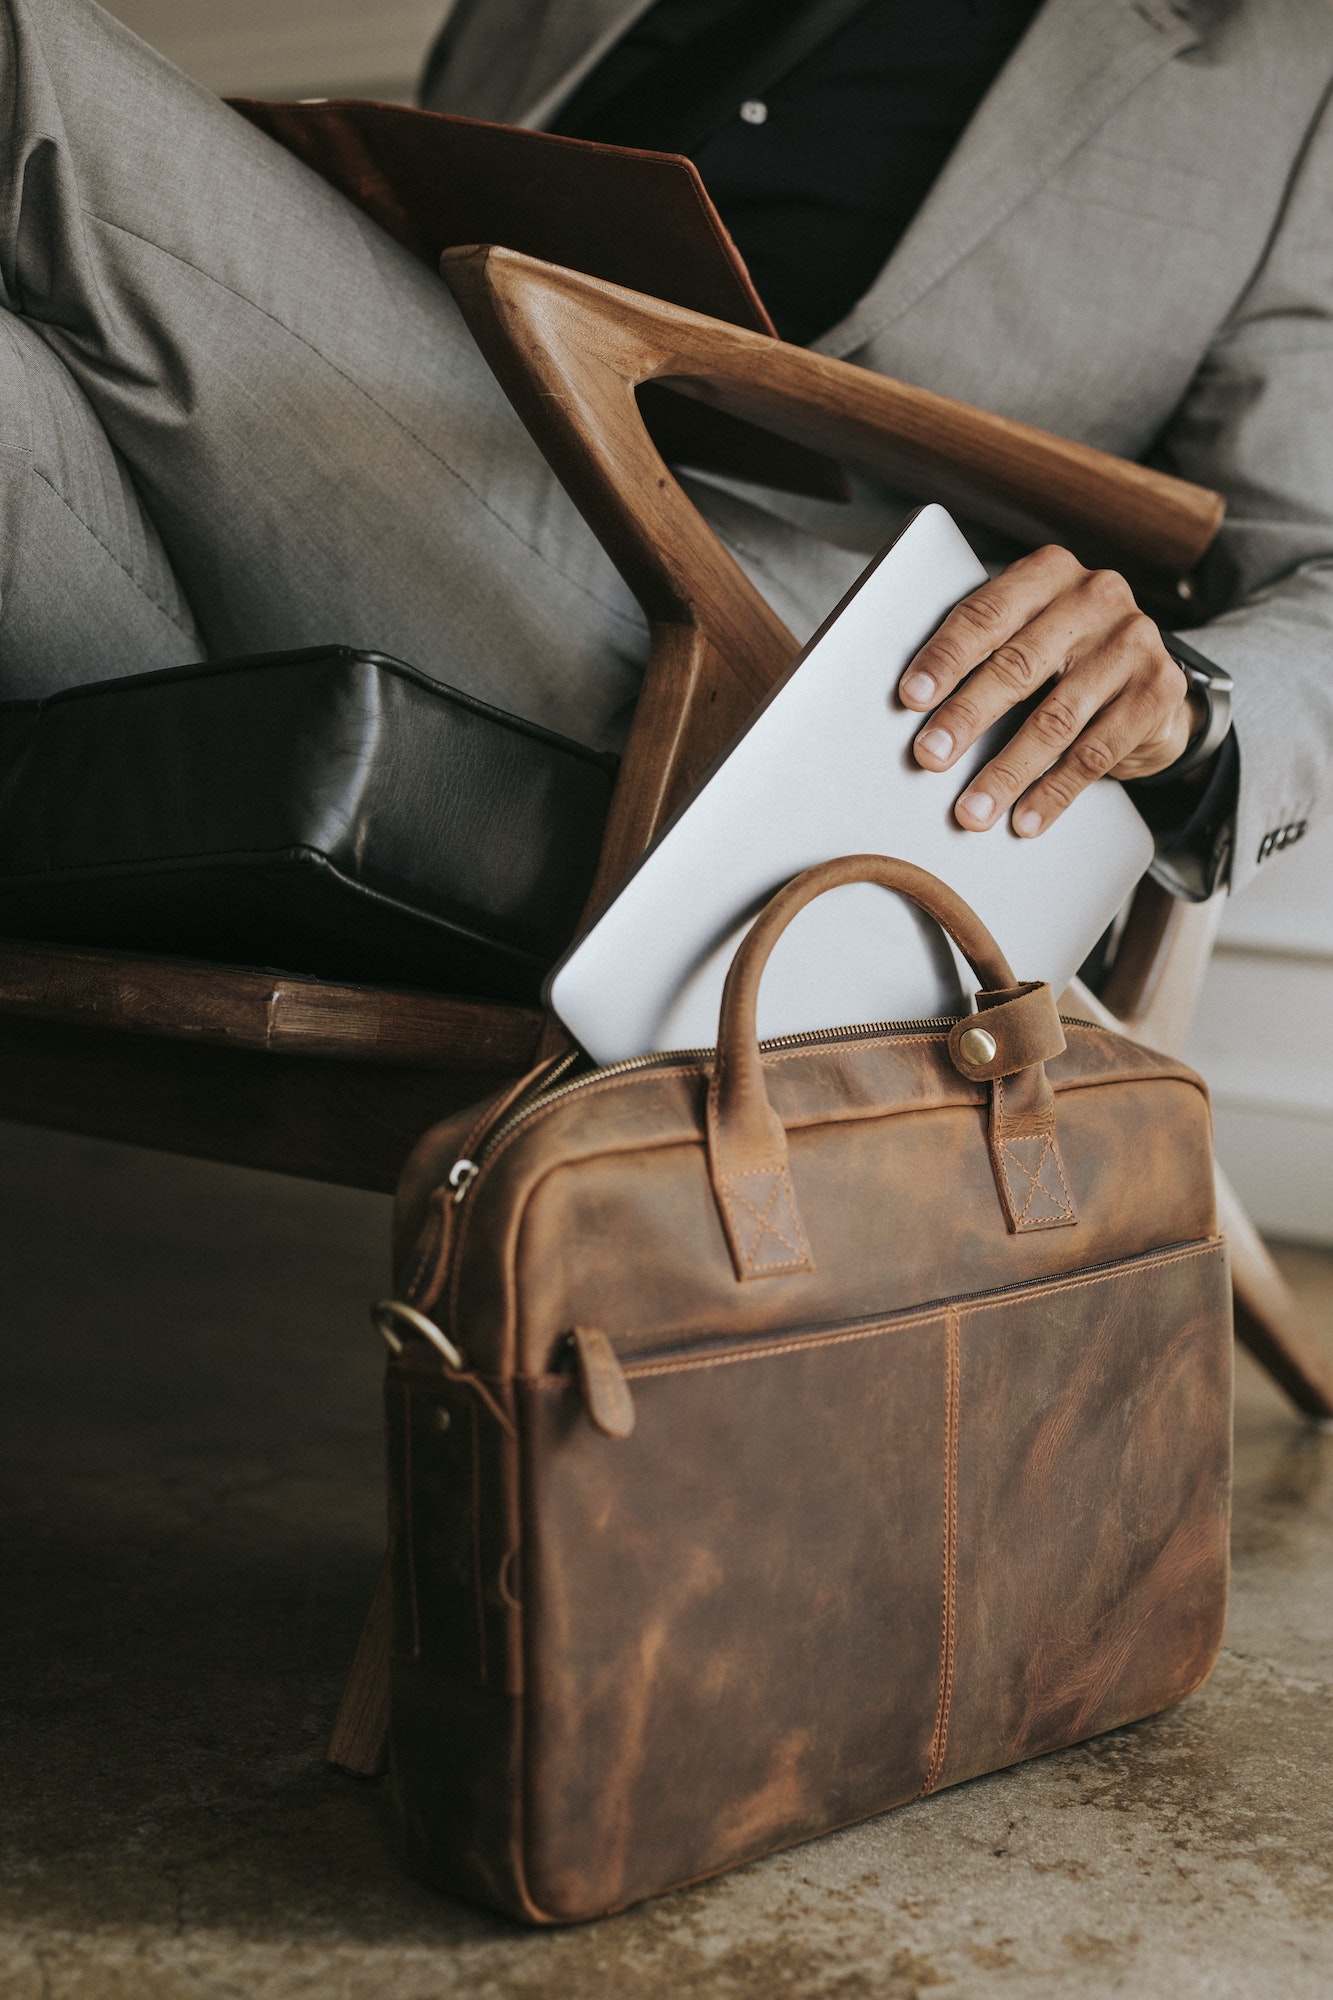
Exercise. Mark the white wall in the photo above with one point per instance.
(1264, 1040)
(291, 48)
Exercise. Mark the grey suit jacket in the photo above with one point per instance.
(1132, 244)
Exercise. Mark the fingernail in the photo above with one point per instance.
(1027, 822)
(937, 743)
(979, 806)
(918, 687)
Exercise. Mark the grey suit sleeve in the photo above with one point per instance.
(1258, 425)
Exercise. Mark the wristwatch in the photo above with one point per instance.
(1215, 685)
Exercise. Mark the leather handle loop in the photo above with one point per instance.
(747, 1145)
(743, 1107)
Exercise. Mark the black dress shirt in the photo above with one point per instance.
(818, 176)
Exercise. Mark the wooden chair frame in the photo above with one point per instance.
(337, 1082)
(571, 352)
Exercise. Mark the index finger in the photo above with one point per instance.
(988, 617)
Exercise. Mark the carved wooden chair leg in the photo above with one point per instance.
(1268, 1320)
(360, 1738)
(1156, 980)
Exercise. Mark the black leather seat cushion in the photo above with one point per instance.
(329, 812)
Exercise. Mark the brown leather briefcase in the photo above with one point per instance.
(780, 1433)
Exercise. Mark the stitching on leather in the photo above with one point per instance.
(767, 1227)
(1064, 1211)
(684, 1069)
(781, 1185)
(1036, 1185)
(905, 1110)
(700, 1069)
(801, 1343)
(1060, 1170)
(868, 1042)
(956, 1365)
(833, 1115)
(1059, 1166)
(771, 1349)
(1041, 1126)
(949, 1556)
(1210, 1246)
(478, 1601)
(799, 1258)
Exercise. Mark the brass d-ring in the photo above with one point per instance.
(387, 1311)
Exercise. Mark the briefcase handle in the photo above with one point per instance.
(747, 1144)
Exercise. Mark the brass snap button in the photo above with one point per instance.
(977, 1047)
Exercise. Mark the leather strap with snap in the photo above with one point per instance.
(749, 1162)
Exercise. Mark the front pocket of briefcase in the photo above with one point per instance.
(1093, 1502)
(835, 1568)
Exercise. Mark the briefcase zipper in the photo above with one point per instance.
(815, 1329)
(605, 1378)
(464, 1172)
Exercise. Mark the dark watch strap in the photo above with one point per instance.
(1193, 826)
(1215, 686)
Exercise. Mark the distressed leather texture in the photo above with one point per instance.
(330, 812)
(768, 1553)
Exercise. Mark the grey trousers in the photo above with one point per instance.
(235, 417)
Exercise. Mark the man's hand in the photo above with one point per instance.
(1118, 704)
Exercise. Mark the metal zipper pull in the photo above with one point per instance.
(512, 1104)
(602, 1379)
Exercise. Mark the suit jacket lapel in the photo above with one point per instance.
(1077, 62)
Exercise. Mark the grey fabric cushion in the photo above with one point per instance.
(328, 811)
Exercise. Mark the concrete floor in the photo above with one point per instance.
(190, 1525)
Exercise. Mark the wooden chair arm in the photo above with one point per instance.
(570, 351)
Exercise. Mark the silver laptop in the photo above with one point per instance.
(824, 768)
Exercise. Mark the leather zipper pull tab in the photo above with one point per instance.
(602, 1379)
